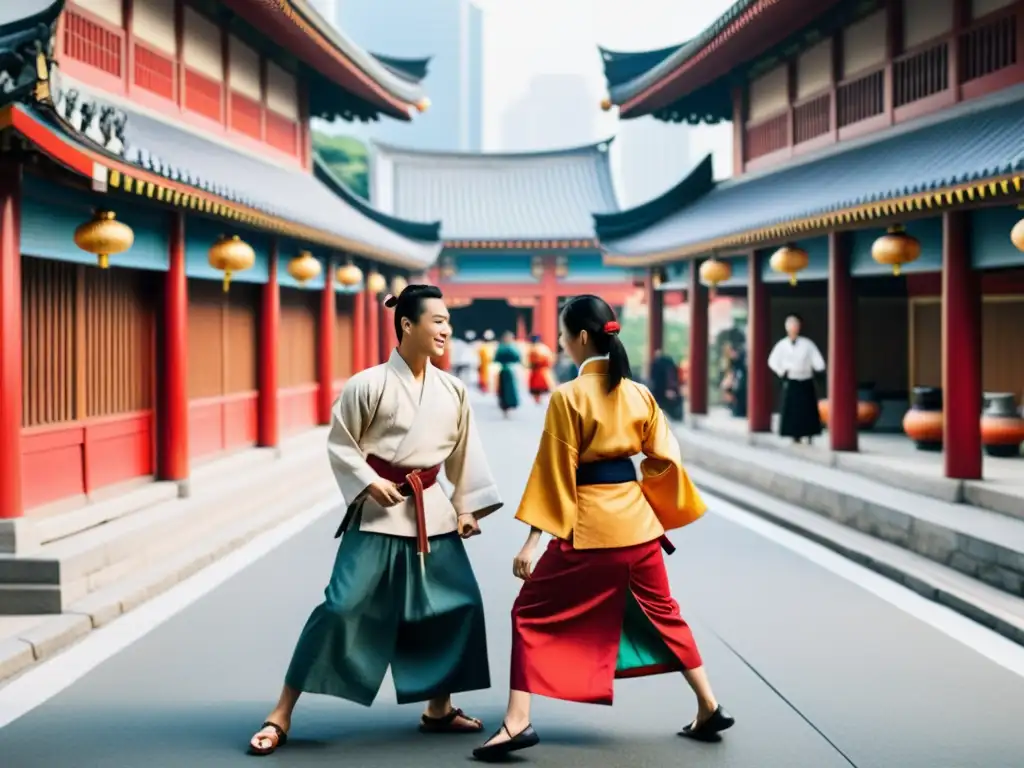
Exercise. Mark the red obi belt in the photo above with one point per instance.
(410, 482)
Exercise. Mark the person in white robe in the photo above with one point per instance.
(402, 592)
(795, 359)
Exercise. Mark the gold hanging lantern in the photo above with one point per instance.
(790, 260)
(304, 267)
(349, 275)
(896, 248)
(104, 236)
(230, 255)
(376, 283)
(657, 278)
(423, 104)
(398, 284)
(713, 272)
(1017, 233)
(606, 104)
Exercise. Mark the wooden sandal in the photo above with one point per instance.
(448, 723)
(277, 733)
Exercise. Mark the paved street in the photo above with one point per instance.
(886, 689)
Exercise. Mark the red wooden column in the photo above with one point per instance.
(520, 327)
(10, 340)
(325, 349)
(961, 352)
(389, 339)
(697, 373)
(270, 322)
(842, 346)
(172, 455)
(655, 319)
(372, 330)
(546, 316)
(759, 384)
(359, 331)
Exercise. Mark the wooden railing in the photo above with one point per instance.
(94, 42)
(202, 95)
(860, 98)
(246, 115)
(988, 46)
(282, 132)
(812, 117)
(767, 136)
(920, 73)
(154, 71)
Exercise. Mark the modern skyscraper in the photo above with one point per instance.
(450, 33)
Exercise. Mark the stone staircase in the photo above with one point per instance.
(102, 559)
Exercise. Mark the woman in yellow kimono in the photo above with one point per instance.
(486, 354)
(598, 605)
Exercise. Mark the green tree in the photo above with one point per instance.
(348, 159)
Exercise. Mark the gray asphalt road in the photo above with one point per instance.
(884, 688)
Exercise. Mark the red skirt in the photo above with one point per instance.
(586, 617)
(539, 381)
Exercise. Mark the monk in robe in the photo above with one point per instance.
(795, 360)
(540, 360)
(402, 592)
(507, 358)
(598, 604)
(486, 356)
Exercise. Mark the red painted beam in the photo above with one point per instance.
(372, 330)
(10, 340)
(842, 346)
(268, 431)
(759, 385)
(172, 423)
(325, 350)
(359, 331)
(961, 352)
(697, 294)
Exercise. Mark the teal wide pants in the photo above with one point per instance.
(380, 610)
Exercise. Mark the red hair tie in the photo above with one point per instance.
(612, 327)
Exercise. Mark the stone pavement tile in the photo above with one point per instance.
(55, 633)
(15, 655)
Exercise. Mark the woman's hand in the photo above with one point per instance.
(522, 565)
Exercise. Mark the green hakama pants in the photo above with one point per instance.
(379, 610)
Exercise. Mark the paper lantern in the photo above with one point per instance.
(1017, 233)
(789, 260)
(423, 104)
(606, 104)
(349, 275)
(713, 272)
(104, 236)
(230, 255)
(376, 283)
(398, 284)
(304, 267)
(895, 248)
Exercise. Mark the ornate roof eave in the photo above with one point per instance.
(296, 25)
(726, 43)
(107, 172)
(1006, 188)
(553, 244)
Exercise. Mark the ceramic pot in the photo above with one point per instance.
(1002, 430)
(867, 413)
(923, 422)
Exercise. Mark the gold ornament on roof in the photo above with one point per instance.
(230, 255)
(896, 248)
(790, 260)
(304, 267)
(104, 236)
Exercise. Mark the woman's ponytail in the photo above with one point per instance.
(593, 315)
(618, 362)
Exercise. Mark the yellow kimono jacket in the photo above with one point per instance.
(584, 424)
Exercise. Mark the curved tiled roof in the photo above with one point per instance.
(508, 196)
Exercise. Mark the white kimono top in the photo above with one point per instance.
(797, 359)
(383, 411)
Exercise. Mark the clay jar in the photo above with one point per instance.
(1002, 428)
(868, 409)
(923, 422)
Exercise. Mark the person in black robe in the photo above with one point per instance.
(796, 359)
(665, 385)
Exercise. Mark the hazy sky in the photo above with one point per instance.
(526, 38)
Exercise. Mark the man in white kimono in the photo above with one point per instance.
(795, 360)
(402, 592)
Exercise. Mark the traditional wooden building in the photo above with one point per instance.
(517, 228)
(179, 275)
(878, 163)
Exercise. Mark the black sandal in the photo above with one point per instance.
(446, 724)
(492, 753)
(719, 721)
(282, 739)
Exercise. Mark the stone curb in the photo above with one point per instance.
(55, 633)
(988, 606)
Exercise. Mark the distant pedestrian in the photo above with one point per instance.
(462, 355)
(665, 385)
(540, 359)
(795, 359)
(507, 358)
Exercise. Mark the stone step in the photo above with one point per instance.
(75, 566)
(987, 605)
(985, 545)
